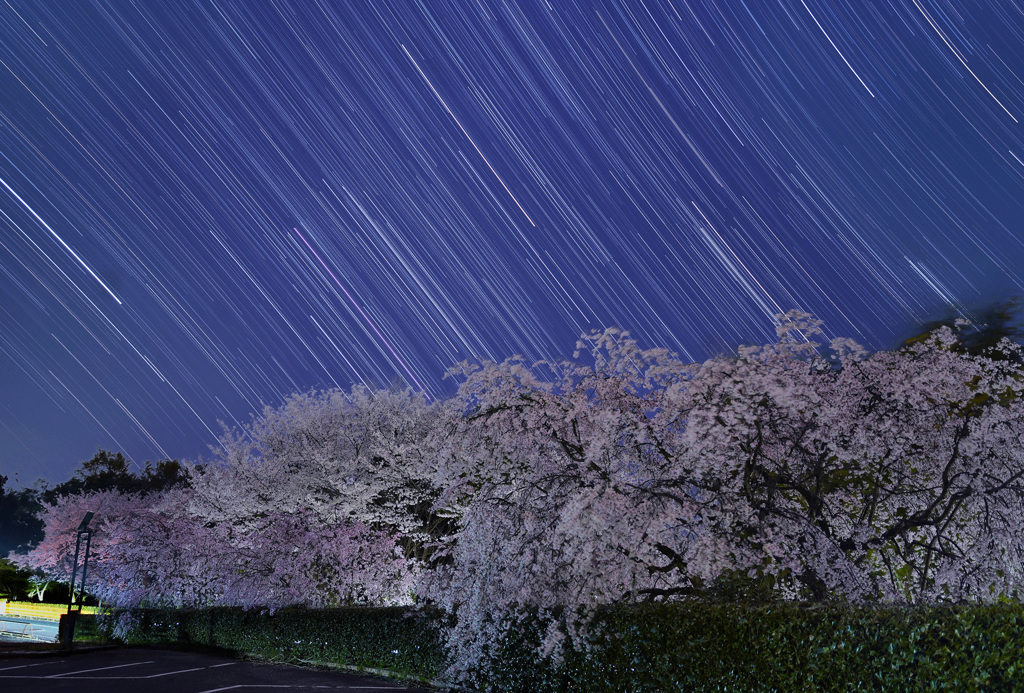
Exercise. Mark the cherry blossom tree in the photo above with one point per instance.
(815, 470)
(548, 478)
(829, 473)
(319, 565)
(151, 551)
(365, 456)
(54, 555)
(888, 478)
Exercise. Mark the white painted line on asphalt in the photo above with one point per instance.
(183, 671)
(37, 664)
(245, 685)
(86, 671)
(288, 685)
(170, 673)
(180, 671)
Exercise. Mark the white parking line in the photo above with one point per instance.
(79, 677)
(288, 685)
(184, 671)
(243, 685)
(23, 666)
(86, 671)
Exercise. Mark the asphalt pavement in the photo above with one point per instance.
(13, 628)
(126, 670)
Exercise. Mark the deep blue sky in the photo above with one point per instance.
(209, 205)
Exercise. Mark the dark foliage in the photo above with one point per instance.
(694, 646)
(108, 471)
(399, 640)
(988, 327)
(677, 646)
(20, 528)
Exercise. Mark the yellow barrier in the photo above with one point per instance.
(41, 611)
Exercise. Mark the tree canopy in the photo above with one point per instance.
(984, 333)
(112, 471)
(797, 470)
(20, 528)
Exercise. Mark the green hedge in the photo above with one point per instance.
(403, 641)
(701, 647)
(88, 631)
(652, 647)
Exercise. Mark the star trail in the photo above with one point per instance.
(209, 205)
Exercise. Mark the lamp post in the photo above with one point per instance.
(68, 620)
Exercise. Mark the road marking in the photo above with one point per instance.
(180, 671)
(243, 685)
(288, 685)
(86, 671)
(184, 671)
(37, 664)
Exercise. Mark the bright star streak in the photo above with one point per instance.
(837, 48)
(61, 240)
(430, 84)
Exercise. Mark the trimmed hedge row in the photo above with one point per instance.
(88, 630)
(399, 640)
(652, 647)
(788, 648)
(707, 647)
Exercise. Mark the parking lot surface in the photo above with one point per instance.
(161, 671)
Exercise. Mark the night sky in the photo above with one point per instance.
(206, 206)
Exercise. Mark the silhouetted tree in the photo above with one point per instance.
(20, 529)
(987, 328)
(110, 471)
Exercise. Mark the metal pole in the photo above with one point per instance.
(68, 620)
(85, 567)
(74, 570)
